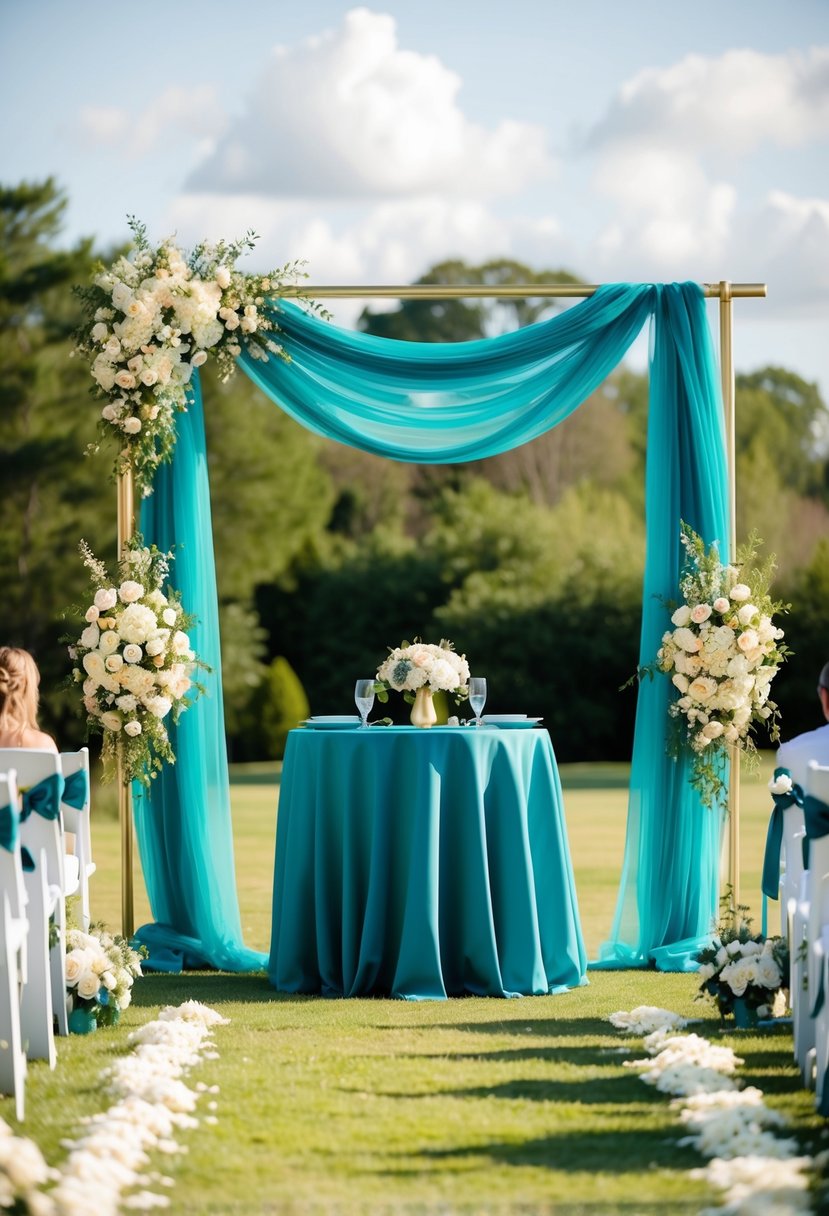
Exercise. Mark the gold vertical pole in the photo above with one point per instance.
(126, 528)
(729, 396)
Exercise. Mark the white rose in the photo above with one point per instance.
(781, 785)
(108, 643)
(705, 971)
(686, 639)
(747, 641)
(168, 616)
(159, 706)
(132, 425)
(713, 730)
(149, 376)
(199, 358)
(90, 637)
(155, 646)
(99, 332)
(130, 591)
(680, 682)
(740, 592)
(114, 662)
(731, 734)
(132, 728)
(223, 276)
(132, 653)
(746, 614)
(92, 614)
(76, 964)
(721, 604)
(111, 720)
(125, 379)
(684, 702)
(722, 956)
(105, 599)
(700, 613)
(180, 642)
(702, 688)
(88, 985)
(682, 615)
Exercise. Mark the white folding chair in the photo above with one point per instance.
(817, 937)
(47, 888)
(803, 1027)
(75, 807)
(13, 931)
(792, 857)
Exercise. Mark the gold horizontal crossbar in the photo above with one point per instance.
(503, 291)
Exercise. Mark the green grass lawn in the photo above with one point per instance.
(473, 1105)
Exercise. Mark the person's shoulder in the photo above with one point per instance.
(39, 739)
(811, 745)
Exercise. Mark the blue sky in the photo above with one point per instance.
(632, 140)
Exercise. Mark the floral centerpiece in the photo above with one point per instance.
(418, 669)
(416, 665)
(741, 970)
(154, 317)
(100, 972)
(722, 654)
(134, 660)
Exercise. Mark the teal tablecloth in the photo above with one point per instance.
(423, 863)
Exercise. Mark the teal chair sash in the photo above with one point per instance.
(774, 837)
(76, 790)
(43, 799)
(9, 828)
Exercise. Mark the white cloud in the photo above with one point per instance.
(732, 103)
(193, 113)
(348, 113)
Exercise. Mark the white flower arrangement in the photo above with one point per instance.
(154, 317)
(645, 1019)
(416, 665)
(100, 972)
(134, 660)
(722, 654)
(741, 965)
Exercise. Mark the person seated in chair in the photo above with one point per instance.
(812, 744)
(19, 685)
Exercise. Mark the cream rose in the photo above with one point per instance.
(702, 689)
(686, 639)
(88, 985)
(132, 425)
(700, 613)
(682, 616)
(108, 643)
(133, 653)
(90, 637)
(114, 662)
(130, 591)
(740, 592)
(132, 728)
(111, 720)
(106, 598)
(721, 604)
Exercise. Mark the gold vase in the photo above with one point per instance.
(423, 710)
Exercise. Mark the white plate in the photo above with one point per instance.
(505, 718)
(513, 723)
(333, 722)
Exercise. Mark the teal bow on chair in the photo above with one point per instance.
(43, 799)
(9, 828)
(76, 790)
(774, 838)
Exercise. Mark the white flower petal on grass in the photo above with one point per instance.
(645, 1019)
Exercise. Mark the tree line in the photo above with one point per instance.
(531, 562)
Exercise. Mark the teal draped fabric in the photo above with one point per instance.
(42, 799)
(446, 403)
(183, 822)
(9, 828)
(774, 837)
(76, 790)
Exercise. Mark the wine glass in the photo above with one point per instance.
(364, 698)
(477, 696)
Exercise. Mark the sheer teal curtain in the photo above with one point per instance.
(440, 404)
(183, 822)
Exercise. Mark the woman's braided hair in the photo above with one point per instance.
(19, 681)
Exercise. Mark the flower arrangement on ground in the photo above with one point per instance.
(415, 665)
(100, 972)
(741, 965)
(722, 654)
(153, 318)
(134, 661)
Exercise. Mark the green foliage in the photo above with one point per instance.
(277, 705)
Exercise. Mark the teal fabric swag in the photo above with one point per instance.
(436, 403)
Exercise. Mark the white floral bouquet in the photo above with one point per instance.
(153, 318)
(722, 654)
(739, 964)
(415, 665)
(100, 972)
(134, 661)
